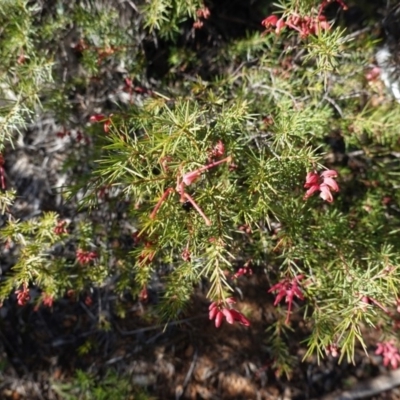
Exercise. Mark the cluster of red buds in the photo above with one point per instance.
(288, 289)
(202, 14)
(85, 257)
(23, 295)
(47, 300)
(106, 121)
(186, 256)
(217, 151)
(246, 228)
(245, 270)
(332, 349)
(21, 59)
(219, 310)
(143, 295)
(389, 352)
(323, 182)
(306, 25)
(372, 74)
(60, 228)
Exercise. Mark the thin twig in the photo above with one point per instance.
(188, 376)
(151, 328)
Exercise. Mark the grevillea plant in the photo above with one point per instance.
(274, 166)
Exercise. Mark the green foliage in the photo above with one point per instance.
(87, 387)
(166, 16)
(272, 103)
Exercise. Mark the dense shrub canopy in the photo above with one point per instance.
(195, 150)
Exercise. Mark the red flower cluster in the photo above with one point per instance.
(218, 310)
(245, 270)
(102, 118)
(332, 349)
(202, 14)
(84, 257)
(23, 295)
(218, 150)
(372, 74)
(272, 22)
(290, 289)
(48, 300)
(390, 354)
(323, 182)
(59, 229)
(186, 256)
(144, 294)
(246, 228)
(306, 25)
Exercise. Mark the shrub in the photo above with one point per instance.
(276, 157)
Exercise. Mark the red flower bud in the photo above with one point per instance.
(218, 319)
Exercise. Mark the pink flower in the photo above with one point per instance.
(373, 74)
(23, 295)
(389, 352)
(48, 299)
(102, 118)
(84, 257)
(245, 270)
(218, 310)
(143, 295)
(198, 24)
(329, 173)
(312, 179)
(237, 316)
(323, 183)
(218, 150)
(273, 22)
(97, 118)
(325, 193)
(280, 24)
(186, 256)
(270, 21)
(203, 13)
(192, 176)
(60, 229)
(332, 349)
(290, 289)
